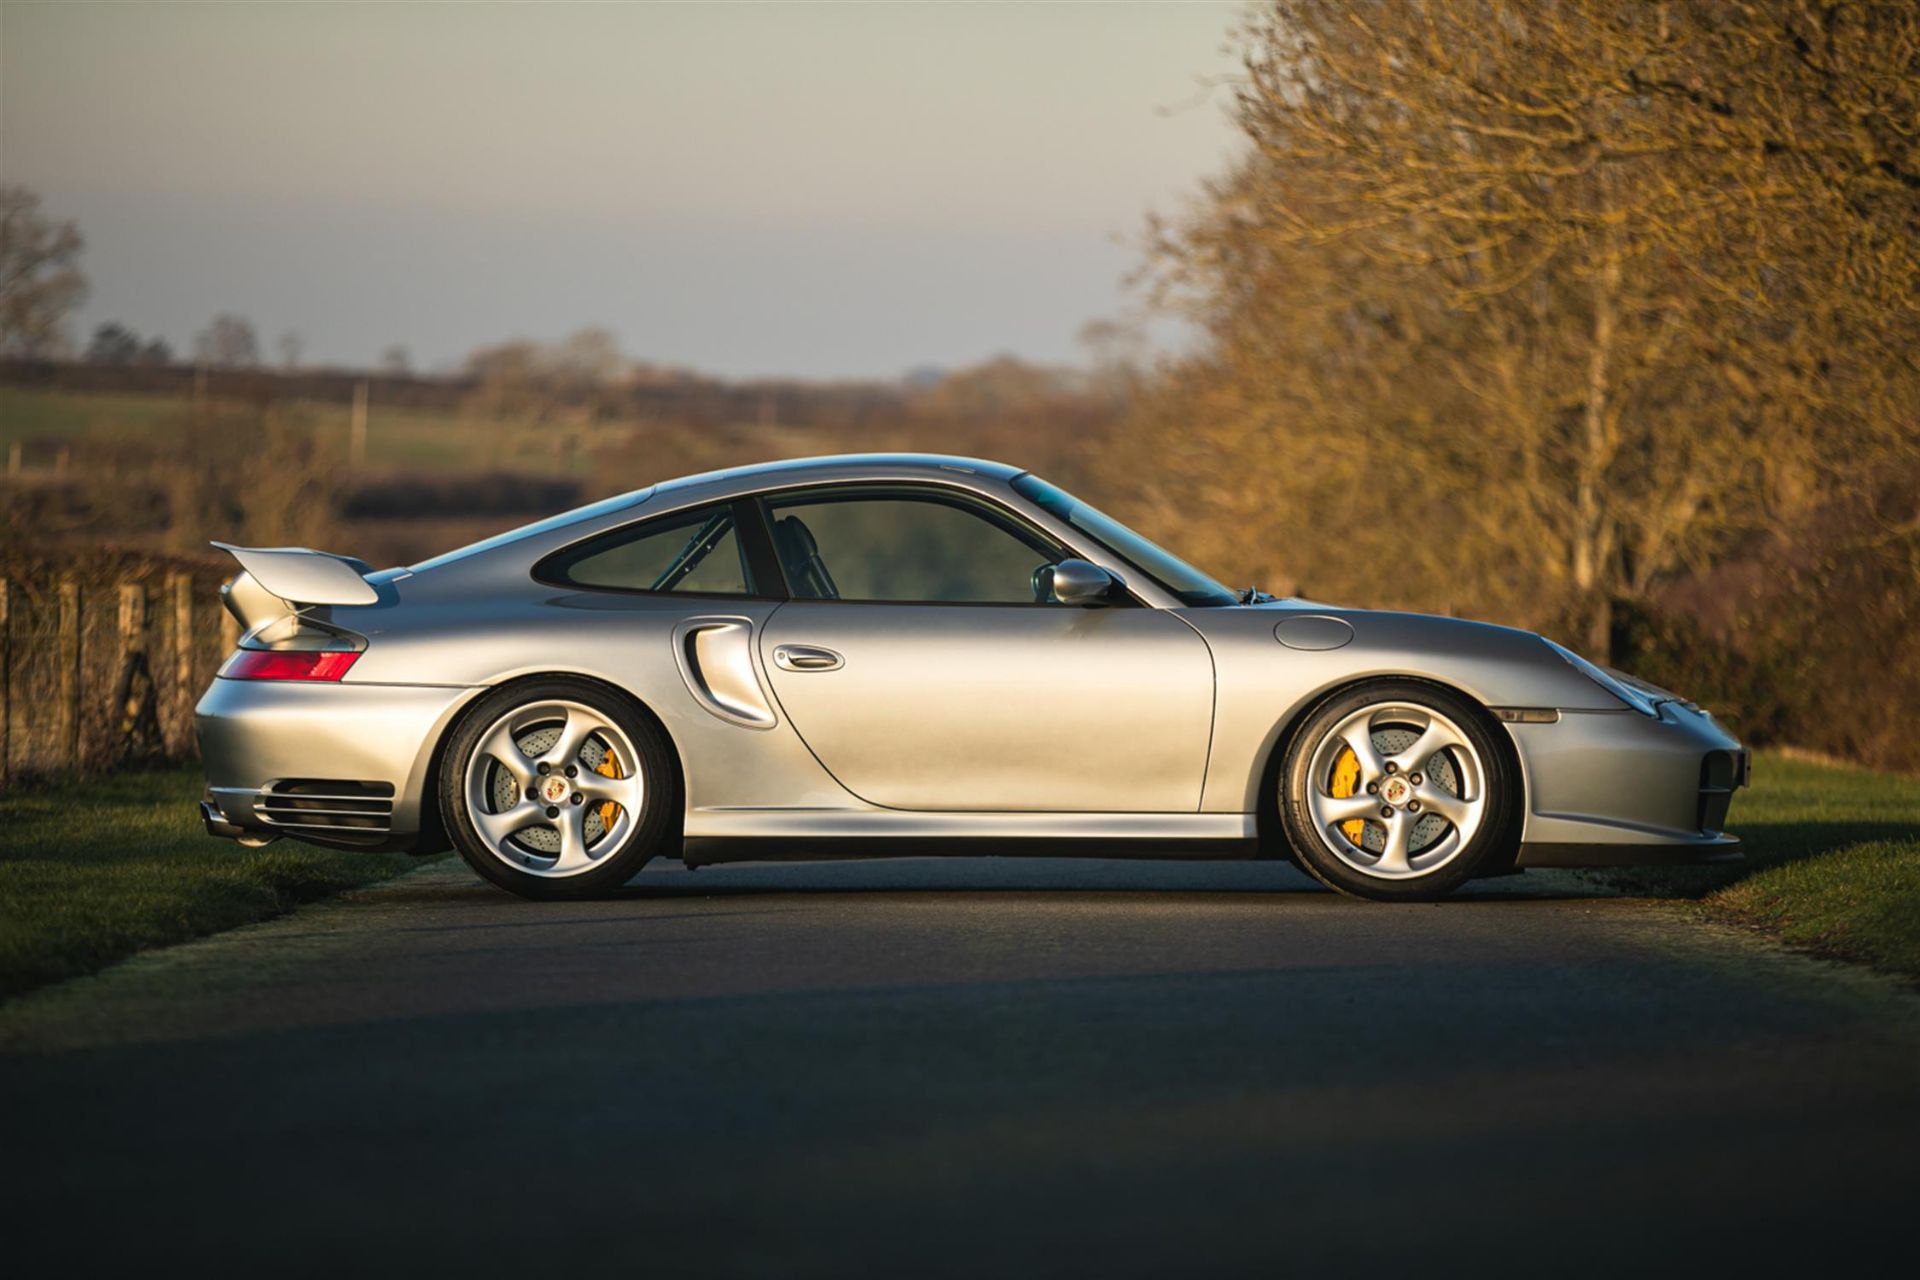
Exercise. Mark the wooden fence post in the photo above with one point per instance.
(137, 736)
(357, 427)
(229, 631)
(6, 682)
(133, 616)
(67, 667)
(180, 587)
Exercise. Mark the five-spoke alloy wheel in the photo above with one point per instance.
(557, 788)
(1397, 789)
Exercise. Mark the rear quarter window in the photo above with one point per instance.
(696, 552)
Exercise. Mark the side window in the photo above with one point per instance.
(693, 551)
(905, 545)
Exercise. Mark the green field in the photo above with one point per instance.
(396, 437)
(96, 871)
(33, 416)
(431, 440)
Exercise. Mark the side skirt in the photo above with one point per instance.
(739, 835)
(706, 851)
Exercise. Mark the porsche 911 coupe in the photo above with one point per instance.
(894, 655)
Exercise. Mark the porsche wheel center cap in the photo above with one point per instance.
(1396, 791)
(554, 788)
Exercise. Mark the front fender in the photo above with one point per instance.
(1264, 687)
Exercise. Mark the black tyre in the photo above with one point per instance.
(558, 788)
(1398, 790)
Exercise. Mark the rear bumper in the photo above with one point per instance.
(1614, 788)
(217, 825)
(338, 764)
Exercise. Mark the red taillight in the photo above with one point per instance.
(288, 664)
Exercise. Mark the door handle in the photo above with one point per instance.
(806, 657)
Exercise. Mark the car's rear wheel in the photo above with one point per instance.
(1397, 790)
(557, 788)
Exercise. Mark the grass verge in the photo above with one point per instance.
(1832, 865)
(94, 871)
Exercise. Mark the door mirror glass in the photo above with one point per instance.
(1078, 582)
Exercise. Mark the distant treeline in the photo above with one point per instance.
(445, 494)
(684, 398)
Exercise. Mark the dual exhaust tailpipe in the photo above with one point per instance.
(217, 825)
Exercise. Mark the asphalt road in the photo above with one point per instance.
(961, 1067)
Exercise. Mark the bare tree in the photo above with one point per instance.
(585, 371)
(227, 343)
(509, 380)
(39, 281)
(588, 357)
(580, 377)
(290, 345)
(396, 361)
(994, 388)
(113, 344)
(1546, 301)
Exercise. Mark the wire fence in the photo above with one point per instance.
(101, 663)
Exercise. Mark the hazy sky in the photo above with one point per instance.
(749, 189)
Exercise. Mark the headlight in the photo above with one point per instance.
(1625, 692)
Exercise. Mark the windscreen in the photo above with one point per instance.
(1170, 571)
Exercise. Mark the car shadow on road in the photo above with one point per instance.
(670, 878)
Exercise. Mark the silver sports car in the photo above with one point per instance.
(884, 655)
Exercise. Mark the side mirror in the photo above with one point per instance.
(1078, 582)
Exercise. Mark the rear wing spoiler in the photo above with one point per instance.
(278, 583)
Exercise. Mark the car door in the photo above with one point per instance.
(917, 664)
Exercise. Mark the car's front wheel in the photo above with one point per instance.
(1397, 790)
(557, 788)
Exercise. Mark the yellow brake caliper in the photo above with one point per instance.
(610, 768)
(1346, 781)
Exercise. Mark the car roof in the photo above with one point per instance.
(874, 466)
(539, 537)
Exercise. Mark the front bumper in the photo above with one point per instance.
(1612, 788)
(331, 763)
